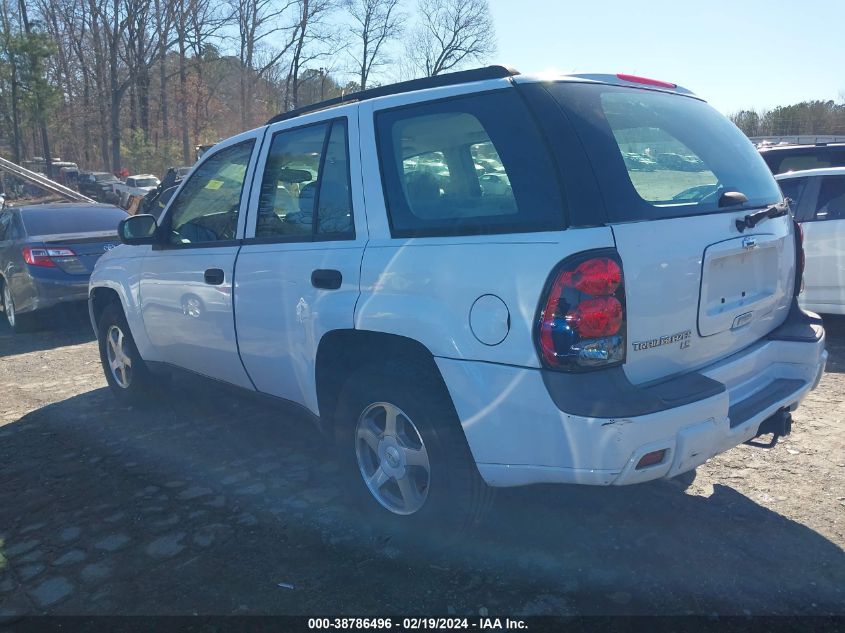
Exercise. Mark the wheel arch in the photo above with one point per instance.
(99, 298)
(342, 352)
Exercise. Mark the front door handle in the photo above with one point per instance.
(214, 276)
(326, 279)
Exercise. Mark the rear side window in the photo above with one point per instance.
(831, 200)
(793, 189)
(660, 155)
(466, 166)
(305, 192)
(70, 220)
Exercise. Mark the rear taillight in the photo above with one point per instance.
(799, 259)
(581, 323)
(45, 256)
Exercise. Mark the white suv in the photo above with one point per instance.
(622, 310)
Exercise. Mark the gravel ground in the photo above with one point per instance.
(204, 503)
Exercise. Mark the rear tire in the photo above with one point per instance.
(128, 376)
(423, 481)
(19, 323)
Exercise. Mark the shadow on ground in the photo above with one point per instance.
(203, 503)
(60, 327)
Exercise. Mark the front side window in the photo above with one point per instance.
(305, 188)
(206, 209)
(831, 200)
(464, 166)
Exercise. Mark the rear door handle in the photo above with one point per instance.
(214, 276)
(327, 279)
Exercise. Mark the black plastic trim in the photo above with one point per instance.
(775, 391)
(800, 326)
(446, 79)
(609, 393)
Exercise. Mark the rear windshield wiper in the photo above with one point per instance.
(753, 219)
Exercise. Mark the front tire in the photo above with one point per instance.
(128, 376)
(404, 457)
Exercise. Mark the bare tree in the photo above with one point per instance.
(374, 24)
(313, 39)
(258, 20)
(450, 34)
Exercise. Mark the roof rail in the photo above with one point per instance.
(446, 79)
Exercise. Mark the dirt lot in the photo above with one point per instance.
(204, 503)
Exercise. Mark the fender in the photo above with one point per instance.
(119, 270)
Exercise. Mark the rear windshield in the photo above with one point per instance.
(663, 155)
(70, 220)
(146, 182)
(101, 177)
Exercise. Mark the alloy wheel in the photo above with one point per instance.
(120, 363)
(8, 305)
(392, 458)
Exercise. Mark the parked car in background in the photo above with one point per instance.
(818, 203)
(782, 159)
(98, 185)
(47, 253)
(138, 186)
(155, 200)
(590, 323)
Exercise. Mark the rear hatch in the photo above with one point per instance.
(697, 287)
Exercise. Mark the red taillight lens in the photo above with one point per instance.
(44, 256)
(593, 318)
(582, 320)
(650, 459)
(599, 276)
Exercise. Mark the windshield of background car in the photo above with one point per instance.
(103, 177)
(146, 182)
(57, 221)
(663, 155)
(782, 161)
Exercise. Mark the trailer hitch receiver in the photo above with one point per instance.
(779, 425)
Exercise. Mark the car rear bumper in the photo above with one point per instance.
(518, 434)
(41, 294)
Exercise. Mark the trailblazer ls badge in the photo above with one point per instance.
(681, 337)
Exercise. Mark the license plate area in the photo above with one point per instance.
(740, 282)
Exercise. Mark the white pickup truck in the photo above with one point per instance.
(596, 321)
(138, 186)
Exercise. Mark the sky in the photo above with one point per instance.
(736, 55)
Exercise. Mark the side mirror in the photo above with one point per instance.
(138, 229)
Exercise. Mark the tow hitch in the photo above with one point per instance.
(779, 425)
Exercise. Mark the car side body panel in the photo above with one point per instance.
(280, 315)
(120, 271)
